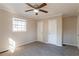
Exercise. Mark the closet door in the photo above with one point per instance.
(52, 32)
(40, 31)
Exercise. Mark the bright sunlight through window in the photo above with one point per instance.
(19, 25)
(12, 45)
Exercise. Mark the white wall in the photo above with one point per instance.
(40, 31)
(19, 37)
(78, 31)
(69, 30)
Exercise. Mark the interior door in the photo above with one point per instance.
(40, 31)
(52, 32)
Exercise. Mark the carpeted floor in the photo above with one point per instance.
(42, 49)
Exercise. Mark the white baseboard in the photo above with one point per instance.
(24, 43)
(70, 44)
(17, 45)
(50, 43)
(3, 49)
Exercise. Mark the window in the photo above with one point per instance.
(19, 25)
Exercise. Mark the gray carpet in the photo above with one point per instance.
(42, 49)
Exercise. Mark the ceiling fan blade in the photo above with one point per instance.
(29, 10)
(43, 11)
(30, 5)
(42, 5)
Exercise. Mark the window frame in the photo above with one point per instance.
(18, 27)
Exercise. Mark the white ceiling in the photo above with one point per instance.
(65, 9)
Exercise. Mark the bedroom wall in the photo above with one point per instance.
(78, 31)
(69, 30)
(19, 37)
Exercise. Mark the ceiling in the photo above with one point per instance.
(65, 9)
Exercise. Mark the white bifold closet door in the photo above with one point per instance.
(52, 31)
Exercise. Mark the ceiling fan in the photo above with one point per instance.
(36, 8)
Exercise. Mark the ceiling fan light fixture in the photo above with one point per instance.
(36, 10)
